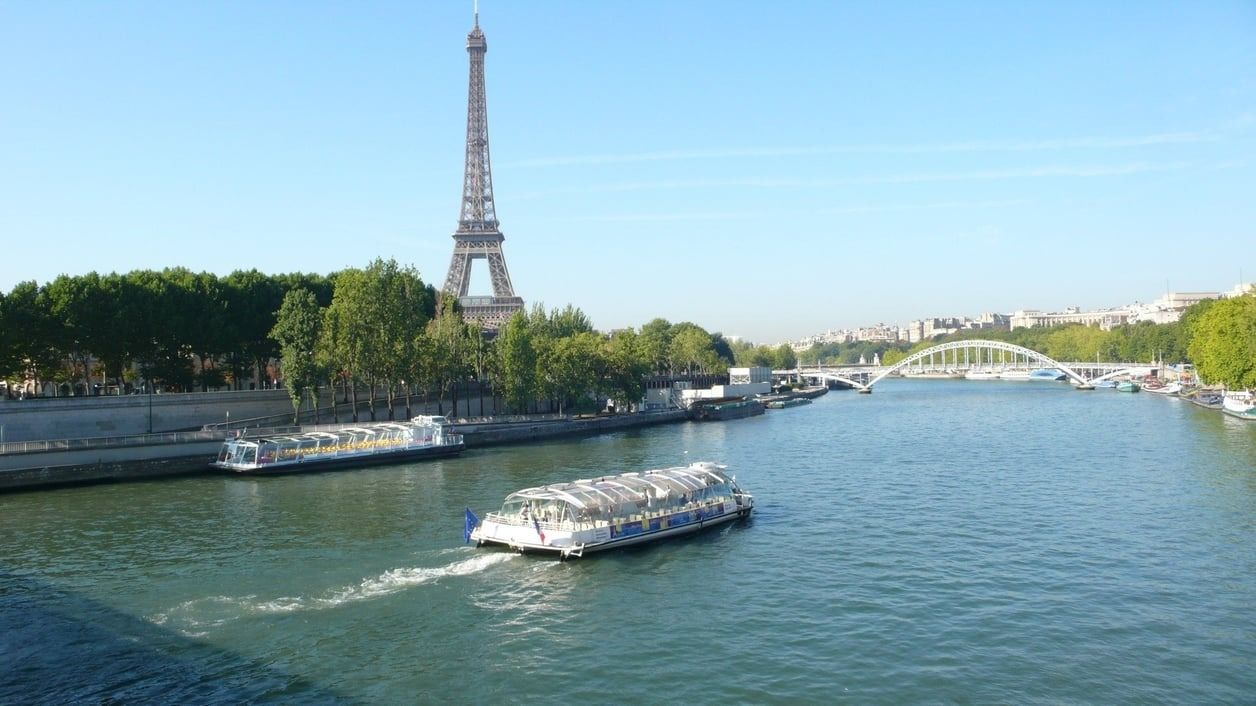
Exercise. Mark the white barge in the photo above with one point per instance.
(360, 445)
(571, 519)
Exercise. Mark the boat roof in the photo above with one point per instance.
(357, 431)
(629, 487)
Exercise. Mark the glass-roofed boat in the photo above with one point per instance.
(360, 445)
(571, 519)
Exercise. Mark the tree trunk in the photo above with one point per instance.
(409, 391)
(355, 399)
(317, 416)
(335, 411)
(453, 397)
(391, 397)
(372, 399)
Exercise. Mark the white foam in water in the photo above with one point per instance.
(214, 611)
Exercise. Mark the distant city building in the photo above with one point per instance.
(1168, 308)
(1105, 319)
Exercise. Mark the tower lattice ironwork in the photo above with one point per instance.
(478, 235)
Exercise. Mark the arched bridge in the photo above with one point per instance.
(973, 354)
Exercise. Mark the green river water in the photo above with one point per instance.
(937, 541)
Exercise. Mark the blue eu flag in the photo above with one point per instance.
(471, 522)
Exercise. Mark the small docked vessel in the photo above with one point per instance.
(361, 445)
(786, 403)
(1015, 375)
(1206, 399)
(1127, 386)
(1171, 388)
(571, 519)
(1048, 374)
(1240, 404)
(981, 375)
(1105, 384)
(722, 410)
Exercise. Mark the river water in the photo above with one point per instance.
(940, 541)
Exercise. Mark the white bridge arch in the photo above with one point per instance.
(979, 344)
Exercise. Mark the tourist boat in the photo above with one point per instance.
(1049, 374)
(572, 519)
(1127, 386)
(1105, 384)
(1014, 375)
(1240, 404)
(981, 375)
(360, 445)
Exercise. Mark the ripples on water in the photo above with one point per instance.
(936, 541)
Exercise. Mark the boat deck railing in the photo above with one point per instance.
(577, 526)
(358, 448)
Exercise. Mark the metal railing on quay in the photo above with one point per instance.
(103, 442)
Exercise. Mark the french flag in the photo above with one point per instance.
(537, 524)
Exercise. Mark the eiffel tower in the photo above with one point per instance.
(478, 236)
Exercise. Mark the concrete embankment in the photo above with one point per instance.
(68, 462)
(62, 462)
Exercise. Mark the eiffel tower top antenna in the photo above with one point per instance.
(475, 5)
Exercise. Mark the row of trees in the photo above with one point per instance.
(385, 330)
(160, 323)
(378, 329)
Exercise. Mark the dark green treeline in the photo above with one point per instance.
(380, 328)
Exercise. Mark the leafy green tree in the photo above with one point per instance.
(656, 343)
(31, 332)
(517, 362)
(783, 357)
(1223, 344)
(450, 343)
(297, 330)
(627, 365)
(573, 368)
(252, 300)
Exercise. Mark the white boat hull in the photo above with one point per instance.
(604, 536)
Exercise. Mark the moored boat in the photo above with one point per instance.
(1105, 384)
(359, 445)
(572, 519)
(1240, 404)
(786, 403)
(1171, 388)
(726, 409)
(1015, 375)
(981, 375)
(1127, 386)
(1048, 374)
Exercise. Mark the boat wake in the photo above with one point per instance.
(197, 616)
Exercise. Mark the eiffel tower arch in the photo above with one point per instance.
(478, 235)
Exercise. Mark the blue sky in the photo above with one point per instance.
(766, 170)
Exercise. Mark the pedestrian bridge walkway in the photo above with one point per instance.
(961, 357)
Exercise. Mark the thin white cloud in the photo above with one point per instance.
(750, 215)
(1066, 171)
(1168, 138)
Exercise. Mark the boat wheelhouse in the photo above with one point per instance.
(1240, 404)
(570, 519)
(360, 445)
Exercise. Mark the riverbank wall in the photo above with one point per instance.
(77, 461)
